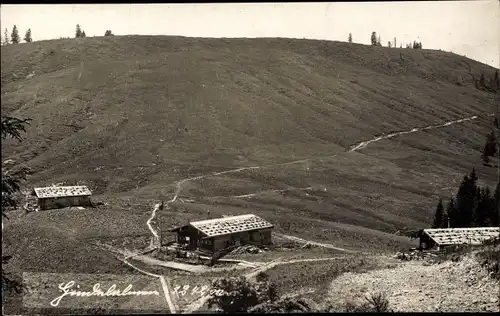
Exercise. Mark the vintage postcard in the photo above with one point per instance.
(183, 158)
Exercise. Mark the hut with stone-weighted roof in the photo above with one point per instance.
(62, 196)
(440, 238)
(216, 234)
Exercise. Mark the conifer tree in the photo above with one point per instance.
(374, 38)
(349, 39)
(474, 206)
(27, 36)
(12, 128)
(6, 37)
(78, 32)
(490, 147)
(14, 37)
(451, 214)
(439, 215)
(466, 198)
(483, 208)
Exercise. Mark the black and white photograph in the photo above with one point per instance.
(259, 157)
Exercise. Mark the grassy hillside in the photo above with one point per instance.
(131, 115)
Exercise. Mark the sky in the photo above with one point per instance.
(470, 28)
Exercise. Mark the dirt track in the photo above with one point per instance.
(361, 145)
(198, 304)
(330, 246)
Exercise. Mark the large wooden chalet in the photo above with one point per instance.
(220, 233)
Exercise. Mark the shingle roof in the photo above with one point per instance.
(52, 192)
(459, 236)
(230, 225)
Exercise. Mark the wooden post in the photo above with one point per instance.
(160, 231)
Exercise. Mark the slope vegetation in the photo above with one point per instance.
(130, 116)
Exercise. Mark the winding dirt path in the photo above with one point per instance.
(155, 238)
(363, 144)
(163, 282)
(353, 148)
(329, 246)
(180, 183)
(198, 304)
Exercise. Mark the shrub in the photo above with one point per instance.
(490, 259)
(376, 303)
(10, 284)
(379, 302)
(285, 305)
(262, 277)
(240, 295)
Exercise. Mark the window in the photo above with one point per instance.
(255, 236)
